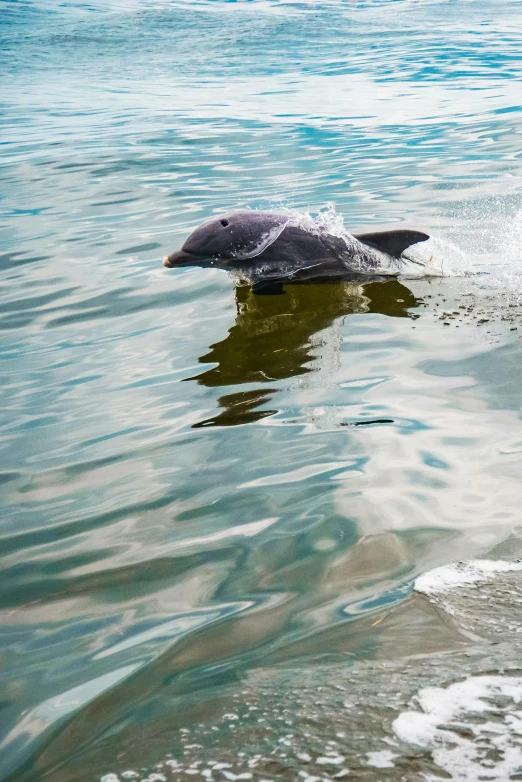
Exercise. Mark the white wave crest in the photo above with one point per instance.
(473, 727)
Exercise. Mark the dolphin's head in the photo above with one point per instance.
(229, 239)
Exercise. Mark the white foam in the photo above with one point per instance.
(383, 759)
(473, 727)
(327, 760)
(461, 574)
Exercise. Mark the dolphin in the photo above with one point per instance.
(271, 247)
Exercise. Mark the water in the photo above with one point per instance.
(191, 508)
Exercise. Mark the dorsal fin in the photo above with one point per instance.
(392, 242)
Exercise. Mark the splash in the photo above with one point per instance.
(327, 220)
(486, 239)
(437, 258)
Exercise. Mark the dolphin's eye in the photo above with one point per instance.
(224, 223)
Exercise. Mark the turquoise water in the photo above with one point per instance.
(185, 493)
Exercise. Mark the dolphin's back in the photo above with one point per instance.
(302, 254)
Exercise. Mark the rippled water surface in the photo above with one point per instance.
(198, 482)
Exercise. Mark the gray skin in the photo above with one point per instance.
(267, 248)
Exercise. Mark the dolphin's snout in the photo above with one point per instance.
(179, 258)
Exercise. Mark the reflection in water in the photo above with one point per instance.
(271, 338)
(240, 408)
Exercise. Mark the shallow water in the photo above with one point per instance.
(188, 493)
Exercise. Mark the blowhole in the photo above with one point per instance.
(224, 223)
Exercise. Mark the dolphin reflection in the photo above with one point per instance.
(271, 339)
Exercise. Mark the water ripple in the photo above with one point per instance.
(196, 480)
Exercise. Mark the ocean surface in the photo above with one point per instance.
(215, 505)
